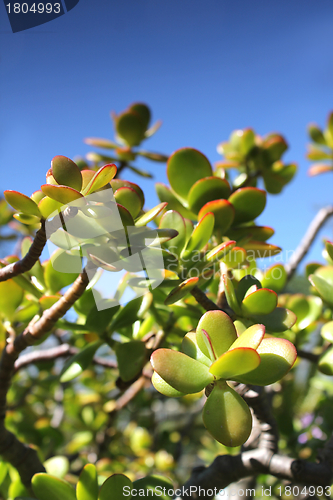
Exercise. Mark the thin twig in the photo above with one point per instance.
(305, 244)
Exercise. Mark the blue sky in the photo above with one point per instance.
(205, 68)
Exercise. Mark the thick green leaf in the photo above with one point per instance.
(322, 280)
(262, 301)
(118, 183)
(226, 416)
(185, 167)
(248, 203)
(11, 296)
(260, 249)
(150, 215)
(307, 310)
(258, 233)
(181, 291)
(129, 199)
(220, 330)
(57, 466)
(173, 219)
(230, 294)
(234, 258)
(47, 206)
(325, 364)
(143, 111)
(329, 248)
(98, 321)
(130, 127)
(29, 220)
(22, 203)
(154, 486)
(62, 194)
(190, 348)
(277, 357)
(100, 143)
(245, 284)
(207, 189)
(279, 320)
(66, 172)
(166, 195)
(251, 337)
(116, 487)
(101, 178)
(47, 487)
(131, 357)
(125, 216)
(164, 388)
(235, 362)
(127, 315)
(220, 251)
(180, 371)
(56, 280)
(80, 362)
(327, 332)
(275, 278)
(201, 233)
(223, 211)
(87, 486)
(316, 134)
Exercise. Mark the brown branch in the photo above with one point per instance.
(29, 260)
(306, 242)
(12, 450)
(60, 351)
(203, 300)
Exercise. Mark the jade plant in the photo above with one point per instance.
(117, 391)
(212, 356)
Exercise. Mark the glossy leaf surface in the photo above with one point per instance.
(150, 215)
(221, 331)
(180, 371)
(66, 172)
(277, 357)
(173, 219)
(223, 211)
(251, 337)
(226, 416)
(262, 301)
(129, 199)
(101, 178)
(47, 487)
(275, 278)
(185, 167)
(207, 189)
(22, 203)
(113, 488)
(279, 320)
(248, 203)
(62, 194)
(164, 388)
(201, 233)
(235, 362)
(131, 357)
(87, 486)
(190, 348)
(181, 291)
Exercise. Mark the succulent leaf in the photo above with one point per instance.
(180, 371)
